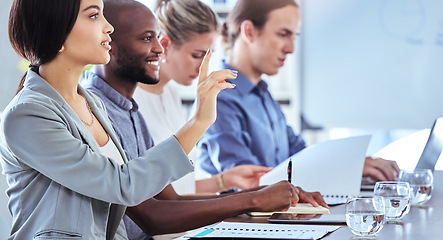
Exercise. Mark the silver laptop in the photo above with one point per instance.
(429, 156)
(433, 148)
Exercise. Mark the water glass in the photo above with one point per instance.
(365, 215)
(421, 182)
(397, 198)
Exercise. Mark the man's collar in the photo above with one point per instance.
(97, 82)
(243, 84)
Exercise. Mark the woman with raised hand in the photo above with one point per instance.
(53, 132)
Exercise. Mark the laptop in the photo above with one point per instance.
(429, 156)
(433, 148)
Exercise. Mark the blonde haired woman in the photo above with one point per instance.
(188, 29)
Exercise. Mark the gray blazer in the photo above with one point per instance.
(60, 187)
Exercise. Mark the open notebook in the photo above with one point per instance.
(301, 208)
(334, 168)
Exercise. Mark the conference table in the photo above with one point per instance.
(421, 223)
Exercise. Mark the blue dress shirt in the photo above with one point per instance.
(250, 129)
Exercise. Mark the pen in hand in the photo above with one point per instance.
(290, 170)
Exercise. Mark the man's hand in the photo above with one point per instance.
(380, 169)
(276, 197)
(314, 198)
(282, 195)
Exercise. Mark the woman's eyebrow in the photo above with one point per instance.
(92, 6)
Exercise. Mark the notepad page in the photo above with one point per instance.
(261, 230)
(301, 208)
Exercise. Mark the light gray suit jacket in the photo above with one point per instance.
(60, 187)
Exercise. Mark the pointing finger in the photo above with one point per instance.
(204, 66)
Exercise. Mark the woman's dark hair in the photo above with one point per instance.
(256, 11)
(38, 29)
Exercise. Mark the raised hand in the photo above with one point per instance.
(206, 104)
(208, 88)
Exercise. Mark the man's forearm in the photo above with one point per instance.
(169, 216)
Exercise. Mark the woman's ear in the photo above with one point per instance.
(165, 41)
(247, 30)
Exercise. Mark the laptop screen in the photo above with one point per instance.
(433, 147)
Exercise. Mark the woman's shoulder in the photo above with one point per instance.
(36, 91)
(27, 106)
(28, 99)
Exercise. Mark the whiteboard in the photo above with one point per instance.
(372, 64)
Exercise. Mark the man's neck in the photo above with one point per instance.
(156, 88)
(243, 64)
(124, 86)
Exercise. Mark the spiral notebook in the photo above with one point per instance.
(237, 230)
(334, 168)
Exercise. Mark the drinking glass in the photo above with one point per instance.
(365, 215)
(421, 182)
(397, 198)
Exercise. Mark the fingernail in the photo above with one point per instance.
(234, 71)
(233, 85)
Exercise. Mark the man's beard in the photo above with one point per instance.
(130, 69)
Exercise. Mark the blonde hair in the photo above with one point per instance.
(182, 19)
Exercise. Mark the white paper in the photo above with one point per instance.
(334, 167)
(261, 230)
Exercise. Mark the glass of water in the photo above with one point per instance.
(365, 215)
(421, 182)
(397, 198)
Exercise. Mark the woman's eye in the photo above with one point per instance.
(147, 38)
(94, 16)
(198, 56)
